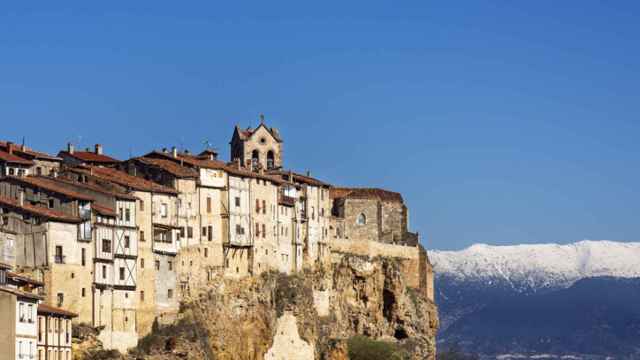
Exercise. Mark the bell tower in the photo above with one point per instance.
(257, 148)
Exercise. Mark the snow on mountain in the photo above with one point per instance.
(532, 267)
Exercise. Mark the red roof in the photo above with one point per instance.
(30, 153)
(5, 266)
(169, 166)
(39, 211)
(246, 133)
(50, 184)
(21, 293)
(12, 159)
(104, 210)
(24, 279)
(290, 176)
(48, 309)
(365, 193)
(123, 179)
(90, 157)
(97, 188)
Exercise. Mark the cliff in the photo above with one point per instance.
(310, 315)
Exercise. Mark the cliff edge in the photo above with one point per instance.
(309, 315)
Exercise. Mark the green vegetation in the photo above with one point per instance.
(364, 348)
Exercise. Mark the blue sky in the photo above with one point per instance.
(500, 122)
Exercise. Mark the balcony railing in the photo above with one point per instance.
(59, 259)
(286, 200)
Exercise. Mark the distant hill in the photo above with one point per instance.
(576, 299)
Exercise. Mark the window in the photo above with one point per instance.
(257, 206)
(164, 210)
(182, 232)
(51, 203)
(264, 231)
(60, 299)
(204, 231)
(83, 292)
(141, 263)
(239, 230)
(141, 205)
(141, 235)
(170, 265)
(59, 258)
(83, 256)
(257, 230)
(264, 207)
(170, 293)
(106, 245)
(120, 214)
(127, 215)
(237, 201)
(157, 264)
(21, 314)
(127, 241)
(361, 220)
(141, 295)
(104, 271)
(206, 252)
(209, 205)
(210, 233)
(121, 273)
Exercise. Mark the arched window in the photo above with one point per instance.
(255, 158)
(270, 160)
(361, 220)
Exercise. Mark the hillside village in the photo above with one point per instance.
(118, 244)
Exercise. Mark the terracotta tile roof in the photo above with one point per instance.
(30, 153)
(292, 177)
(50, 184)
(97, 188)
(39, 211)
(21, 293)
(234, 169)
(24, 279)
(123, 179)
(202, 161)
(5, 266)
(13, 159)
(48, 309)
(90, 157)
(365, 193)
(169, 166)
(104, 210)
(246, 133)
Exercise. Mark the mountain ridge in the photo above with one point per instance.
(534, 267)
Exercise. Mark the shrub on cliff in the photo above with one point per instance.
(364, 348)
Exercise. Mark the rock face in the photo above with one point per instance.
(309, 315)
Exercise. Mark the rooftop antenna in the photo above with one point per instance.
(207, 144)
(261, 119)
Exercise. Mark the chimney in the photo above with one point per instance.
(98, 149)
(186, 151)
(70, 148)
(20, 197)
(308, 173)
(174, 152)
(9, 147)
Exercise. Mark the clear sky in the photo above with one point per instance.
(500, 122)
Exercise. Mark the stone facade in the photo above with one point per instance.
(125, 243)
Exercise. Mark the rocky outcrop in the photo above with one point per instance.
(310, 315)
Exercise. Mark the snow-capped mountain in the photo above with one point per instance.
(535, 267)
(574, 299)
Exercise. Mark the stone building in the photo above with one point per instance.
(53, 238)
(13, 165)
(72, 157)
(18, 334)
(261, 147)
(157, 245)
(54, 333)
(42, 163)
